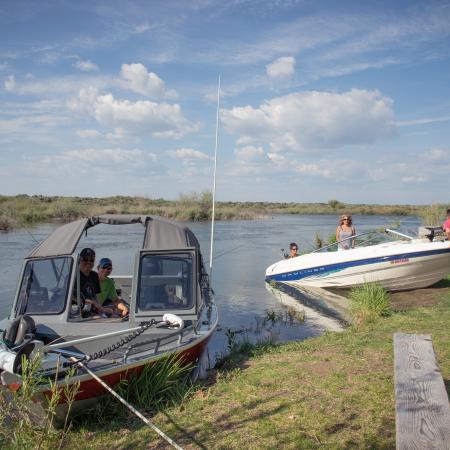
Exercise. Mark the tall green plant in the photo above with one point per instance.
(23, 425)
(369, 302)
(161, 384)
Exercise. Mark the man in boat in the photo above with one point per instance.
(446, 225)
(89, 282)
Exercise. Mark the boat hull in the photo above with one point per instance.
(396, 268)
(188, 348)
(90, 391)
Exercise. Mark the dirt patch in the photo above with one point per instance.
(420, 297)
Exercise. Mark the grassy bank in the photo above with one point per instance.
(24, 210)
(335, 391)
(27, 210)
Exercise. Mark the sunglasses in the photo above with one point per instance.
(90, 260)
(107, 267)
(345, 218)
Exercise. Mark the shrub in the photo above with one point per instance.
(369, 302)
(433, 215)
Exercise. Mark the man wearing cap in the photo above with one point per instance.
(108, 294)
(89, 281)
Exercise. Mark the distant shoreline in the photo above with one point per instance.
(24, 210)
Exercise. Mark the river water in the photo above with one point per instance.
(242, 251)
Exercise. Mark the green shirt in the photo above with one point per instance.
(108, 290)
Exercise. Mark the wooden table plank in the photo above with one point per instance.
(422, 405)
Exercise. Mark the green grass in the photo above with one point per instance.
(335, 391)
(369, 302)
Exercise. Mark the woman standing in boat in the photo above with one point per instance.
(345, 230)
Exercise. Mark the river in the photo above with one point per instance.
(242, 249)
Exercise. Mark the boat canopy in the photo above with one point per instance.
(160, 234)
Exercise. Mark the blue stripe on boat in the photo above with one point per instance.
(326, 270)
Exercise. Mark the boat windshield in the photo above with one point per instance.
(366, 239)
(44, 286)
(165, 282)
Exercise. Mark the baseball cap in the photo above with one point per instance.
(104, 262)
(87, 253)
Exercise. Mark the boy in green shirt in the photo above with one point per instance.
(108, 295)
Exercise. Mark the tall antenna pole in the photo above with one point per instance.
(214, 185)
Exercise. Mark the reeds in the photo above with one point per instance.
(369, 302)
(433, 215)
(24, 210)
(160, 385)
(24, 424)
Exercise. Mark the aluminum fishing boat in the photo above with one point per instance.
(49, 319)
(395, 260)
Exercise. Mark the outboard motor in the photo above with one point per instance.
(17, 330)
(18, 340)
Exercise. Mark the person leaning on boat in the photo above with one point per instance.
(345, 230)
(446, 225)
(89, 282)
(107, 296)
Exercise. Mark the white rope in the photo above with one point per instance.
(131, 408)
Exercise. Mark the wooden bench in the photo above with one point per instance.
(422, 405)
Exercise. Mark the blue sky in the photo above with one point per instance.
(320, 100)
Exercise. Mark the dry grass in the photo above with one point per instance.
(22, 210)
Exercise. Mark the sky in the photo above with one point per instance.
(319, 100)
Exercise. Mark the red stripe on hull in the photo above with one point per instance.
(91, 388)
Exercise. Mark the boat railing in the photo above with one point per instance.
(397, 233)
(153, 345)
(334, 244)
(371, 237)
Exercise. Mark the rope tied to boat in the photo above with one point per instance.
(130, 407)
(125, 340)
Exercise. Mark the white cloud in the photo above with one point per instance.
(413, 179)
(88, 133)
(86, 66)
(281, 68)
(312, 120)
(425, 121)
(250, 153)
(10, 83)
(117, 156)
(188, 154)
(276, 158)
(437, 155)
(92, 162)
(160, 120)
(142, 28)
(56, 86)
(136, 78)
(314, 170)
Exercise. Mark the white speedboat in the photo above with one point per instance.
(401, 263)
